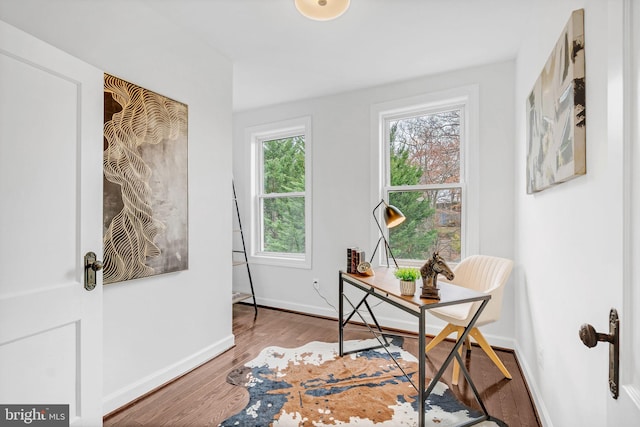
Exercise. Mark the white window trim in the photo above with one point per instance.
(467, 96)
(255, 135)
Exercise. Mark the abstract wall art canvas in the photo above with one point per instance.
(145, 182)
(556, 113)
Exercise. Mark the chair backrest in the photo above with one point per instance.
(488, 274)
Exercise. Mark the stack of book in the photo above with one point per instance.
(354, 257)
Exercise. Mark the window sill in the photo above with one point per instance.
(303, 262)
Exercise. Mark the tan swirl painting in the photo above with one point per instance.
(145, 182)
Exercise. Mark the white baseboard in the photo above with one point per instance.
(300, 308)
(534, 390)
(138, 388)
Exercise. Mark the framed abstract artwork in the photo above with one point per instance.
(145, 191)
(556, 113)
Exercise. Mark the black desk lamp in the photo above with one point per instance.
(392, 217)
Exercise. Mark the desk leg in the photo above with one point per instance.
(341, 314)
(355, 310)
(454, 354)
(421, 367)
(470, 382)
(373, 316)
(460, 361)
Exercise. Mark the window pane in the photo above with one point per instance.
(283, 225)
(432, 224)
(283, 165)
(425, 149)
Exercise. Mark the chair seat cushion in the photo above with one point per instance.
(457, 314)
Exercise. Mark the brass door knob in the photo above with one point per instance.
(91, 265)
(591, 338)
(96, 265)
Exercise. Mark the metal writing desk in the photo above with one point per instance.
(384, 286)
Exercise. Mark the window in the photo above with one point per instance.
(424, 148)
(281, 195)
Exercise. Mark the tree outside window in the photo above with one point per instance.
(281, 193)
(282, 199)
(424, 182)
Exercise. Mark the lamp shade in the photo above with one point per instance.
(393, 216)
(322, 10)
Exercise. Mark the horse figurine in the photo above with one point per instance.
(429, 272)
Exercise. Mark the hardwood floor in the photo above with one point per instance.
(204, 398)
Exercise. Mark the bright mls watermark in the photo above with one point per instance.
(34, 415)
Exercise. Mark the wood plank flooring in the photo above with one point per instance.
(204, 398)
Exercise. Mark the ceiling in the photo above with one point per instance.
(278, 55)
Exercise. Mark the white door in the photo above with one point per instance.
(625, 105)
(50, 216)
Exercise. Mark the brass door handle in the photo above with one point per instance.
(91, 265)
(591, 338)
(96, 265)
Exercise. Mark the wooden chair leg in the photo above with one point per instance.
(456, 365)
(448, 330)
(475, 333)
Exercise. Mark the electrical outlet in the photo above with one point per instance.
(316, 285)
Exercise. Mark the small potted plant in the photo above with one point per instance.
(407, 276)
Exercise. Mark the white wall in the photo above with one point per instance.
(157, 328)
(568, 238)
(341, 158)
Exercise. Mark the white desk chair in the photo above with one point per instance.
(485, 274)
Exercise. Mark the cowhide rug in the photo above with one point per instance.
(312, 386)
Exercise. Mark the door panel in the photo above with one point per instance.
(632, 289)
(625, 411)
(38, 176)
(47, 378)
(51, 189)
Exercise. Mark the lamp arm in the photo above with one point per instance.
(375, 218)
(374, 210)
(382, 237)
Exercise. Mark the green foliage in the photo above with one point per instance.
(284, 225)
(424, 150)
(284, 165)
(407, 274)
(284, 217)
(415, 238)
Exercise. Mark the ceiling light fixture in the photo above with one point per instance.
(322, 10)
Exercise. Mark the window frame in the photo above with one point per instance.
(256, 136)
(466, 100)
